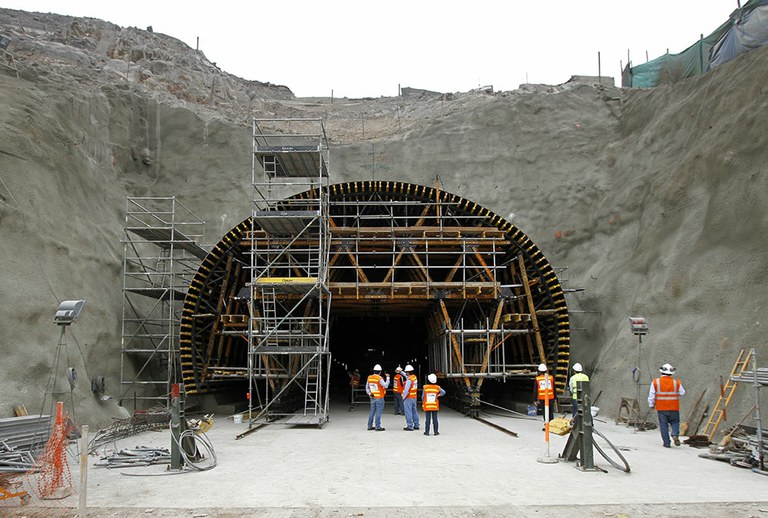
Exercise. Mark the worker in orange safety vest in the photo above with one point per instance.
(430, 402)
(410, 391)
(665, 394)
(376, 388)
(398, 384)
(545, 393)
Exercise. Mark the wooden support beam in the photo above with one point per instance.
(491, 343)
(531, 310)
(454, 341)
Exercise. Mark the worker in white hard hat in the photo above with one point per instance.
(398, 384)
(430, 402)
(545, 392)
(664, 394)
(376, 388)
(578, 376)
(410, 391)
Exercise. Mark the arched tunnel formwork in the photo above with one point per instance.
(413, 272)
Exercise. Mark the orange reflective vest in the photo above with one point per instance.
(667, 397)
(429, 398)
(544, 391)
(399, 385)
(414, 387)
(374, 385)
(354, 380)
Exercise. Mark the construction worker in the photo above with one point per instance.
(354, 382)
(430, 402)
(398, 384)
(376, 388)
(572, 383)
(409, 400)
(665, 394)
(545, 392)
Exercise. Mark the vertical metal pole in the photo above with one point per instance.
(599, 73)
(587, 455)
(175, 428)
(760, 453)
(83, 469)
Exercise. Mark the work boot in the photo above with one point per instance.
(676, 440)
(666, 445)
(379, 429)
(437, 433)
(408, 429)
(426, 433)
(371, 428)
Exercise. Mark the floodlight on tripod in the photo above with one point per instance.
(65, 316)
(68, 312)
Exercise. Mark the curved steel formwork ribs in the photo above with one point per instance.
(491, 303)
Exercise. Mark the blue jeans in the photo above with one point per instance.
(431, 415)
(411, 413)
(669, 418)
(398, 403)
(377, 407)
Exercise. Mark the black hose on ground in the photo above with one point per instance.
(616, 465)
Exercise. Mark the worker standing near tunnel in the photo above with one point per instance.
(376, 388)
(665, 394)
(430, 402)
(398, 384)
(545, 392)
(410, 392)
(577, 377)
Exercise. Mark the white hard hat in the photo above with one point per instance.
(409, 368)
(667, 369)
(577, 367)
(376, 367)
(398, 369)
(542, 367)
(432, 378)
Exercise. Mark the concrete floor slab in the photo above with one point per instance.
(469, 466)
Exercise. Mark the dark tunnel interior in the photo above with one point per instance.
(360, 342)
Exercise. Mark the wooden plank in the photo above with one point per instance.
(532, 310)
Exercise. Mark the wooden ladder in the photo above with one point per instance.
(726, 394)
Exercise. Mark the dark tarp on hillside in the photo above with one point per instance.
(745, 30)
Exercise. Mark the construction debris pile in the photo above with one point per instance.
(123, 428)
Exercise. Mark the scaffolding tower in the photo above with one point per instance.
(288, 297)
(161, 255)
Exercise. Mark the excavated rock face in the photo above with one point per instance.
(654, 200)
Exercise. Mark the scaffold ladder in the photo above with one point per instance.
(312, 386)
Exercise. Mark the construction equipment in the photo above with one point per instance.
(718, 414)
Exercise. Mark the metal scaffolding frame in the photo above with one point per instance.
(288, 298)
(430, 256)
(493, 307)
(161, 255)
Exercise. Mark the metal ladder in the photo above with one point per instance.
(269, 316)
(726, 393)
(312, 386)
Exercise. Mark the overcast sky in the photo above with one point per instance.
(361, 48)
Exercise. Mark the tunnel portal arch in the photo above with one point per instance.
(492, 304)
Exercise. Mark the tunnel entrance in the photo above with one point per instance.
(362, 341)
(406, 272)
